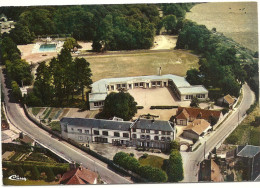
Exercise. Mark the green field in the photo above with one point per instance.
(152, 160)
(141, 63)
(245, 132)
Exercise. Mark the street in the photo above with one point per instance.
(192, 159)
(18, 118)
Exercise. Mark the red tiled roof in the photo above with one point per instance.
(80, 175)
(198, 113)
(183, 115)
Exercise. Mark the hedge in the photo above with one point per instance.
(139, 107)
(163, 107)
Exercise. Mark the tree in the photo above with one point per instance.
(20, 171)
(170, 23)
(175, 145)
(50, 175)
(194, 102)
(120, 105)
(175, 167)
(194, 77)
(70, 43)
(153, 174)
(35, 174)
(21, 34)
(82, 74)
(16, 91)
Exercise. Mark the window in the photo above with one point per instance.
(123, 85)
(95, 103)
(153, 83)
(101, 103)
(80, 138)
(142, 130)
(118, 86)
(189, 97)
(163, 132)
(168, 139)
(112, 88)
(126, 135)
(156, 138)
(142, 137)
(116, 134)
(72, 129)
(147, 131)
(141, 84)
(147, 137)
(162, 138)
(134, 130)
(158, 83)
(96, 132)
(87, 131)
(156, 132)
(168, 133)
(134, 135)
(105, 133)
(200, 96)
(136, 84)
(80, 130)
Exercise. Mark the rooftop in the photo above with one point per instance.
(198, 126)
(229, 99)
(152, 125)
(249, 151)
(97, 123)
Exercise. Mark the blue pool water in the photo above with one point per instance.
(47, 47)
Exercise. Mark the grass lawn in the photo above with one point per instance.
(6, 181)
(55, 126)
(245, 133)
(141, 63)
(152, 160)
(36, 110)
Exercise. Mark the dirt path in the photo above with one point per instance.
(164, 42)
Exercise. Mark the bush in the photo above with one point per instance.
(232, 139)
(224, 111)
(153, 174)
(20, 171)
(145, 155)
(35, 174)
(175, 145)
(50, 174)
(139, 107)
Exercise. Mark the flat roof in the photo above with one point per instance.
(249, 151)
(99, 88)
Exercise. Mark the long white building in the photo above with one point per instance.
(140, 133)
(182, 89)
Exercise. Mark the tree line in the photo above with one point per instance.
(220, 63)
(58, 81)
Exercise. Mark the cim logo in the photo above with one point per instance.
(17, 178)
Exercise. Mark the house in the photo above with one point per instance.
(186, 115)
(26, 139)
(79, 176)
(85, 130)
(179, 86)
(152, 134)
(198, 128)
(250, 156)
(209, 171)
(226, 101)
(141, 132)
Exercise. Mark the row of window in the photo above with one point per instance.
(147, 137)
(140, 84)
(154, 131)
(199, 96)
(101, 103)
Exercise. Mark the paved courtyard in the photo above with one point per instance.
(108, 150)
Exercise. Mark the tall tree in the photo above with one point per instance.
(175, 168)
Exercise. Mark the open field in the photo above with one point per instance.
(237, 20)
(245, 132)
(143, 63)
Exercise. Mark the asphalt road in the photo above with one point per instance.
(192, 159)
(18, 118)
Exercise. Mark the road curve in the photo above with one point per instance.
(192, 159)
(17, 117)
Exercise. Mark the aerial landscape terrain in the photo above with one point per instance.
(130, 93)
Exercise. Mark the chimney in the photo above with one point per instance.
(80, 166)
(160, 71)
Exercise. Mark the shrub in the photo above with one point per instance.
(153, 174)
(20, 171)
(163, 107)
(50, 175)
(35, 174)
(139, 107)
(145, 155)
(224, 111)
(175, 145)
(232, 139)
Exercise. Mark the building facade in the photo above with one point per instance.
(180, 87)
(141, 132)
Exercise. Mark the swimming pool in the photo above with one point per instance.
(47, 48)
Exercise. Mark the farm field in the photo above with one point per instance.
(237, 20)
(141, 63)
